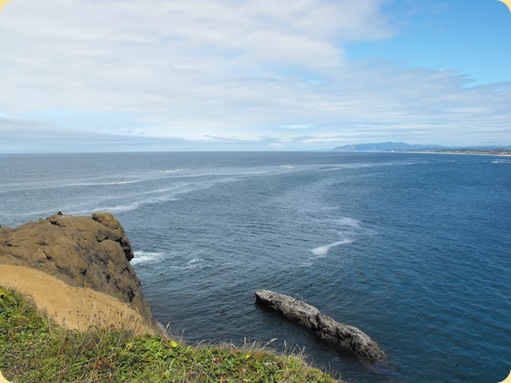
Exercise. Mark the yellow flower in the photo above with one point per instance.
(173, 344)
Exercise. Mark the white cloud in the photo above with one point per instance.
(255, 71)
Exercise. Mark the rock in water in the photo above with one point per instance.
(91, 252)
(340, 335)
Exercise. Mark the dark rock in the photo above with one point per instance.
(81, 251)
(342, 336)
(110, 222)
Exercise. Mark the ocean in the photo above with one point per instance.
(414, 249)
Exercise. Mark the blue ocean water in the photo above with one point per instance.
(414, 249)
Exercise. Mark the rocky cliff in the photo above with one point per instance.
(340, 335)
(92, 252)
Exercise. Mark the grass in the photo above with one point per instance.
(34, 350)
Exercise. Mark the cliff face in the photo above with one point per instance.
(91, 252)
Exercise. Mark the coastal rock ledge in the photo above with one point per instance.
(340, 335)
(90, 252)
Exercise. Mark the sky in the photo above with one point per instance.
(168, 75)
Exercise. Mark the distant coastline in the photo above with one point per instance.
(497, 153)
(502, 153)
(402, 147)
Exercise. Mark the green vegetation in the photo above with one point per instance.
(33, 350)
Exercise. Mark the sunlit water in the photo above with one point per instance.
(413, 249)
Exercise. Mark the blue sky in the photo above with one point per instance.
(141, 75)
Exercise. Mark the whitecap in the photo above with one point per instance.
(346, 221)
(109, 209)
(322, 251)
(132, 205)
(146, 257)
(105, 181)
(122, 182)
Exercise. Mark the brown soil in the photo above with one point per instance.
(75, 308)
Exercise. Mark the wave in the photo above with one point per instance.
(351, 226)
(109, 180)
(322, 251)
(109, 209)
(119, 208)
(232, 175)
(66, 184)
(134, 201)
(346, 221)
(151, 257)
(361, 165)
(193, 263)
(146, 257)
(106, 183)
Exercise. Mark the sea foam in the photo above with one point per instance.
(322, 251)
(193, 263)
(346, 221)
(146, 257)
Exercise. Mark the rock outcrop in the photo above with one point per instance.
(91, 252)
(340, 335)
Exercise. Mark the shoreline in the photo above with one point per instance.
(470, 153)
(505, 153)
